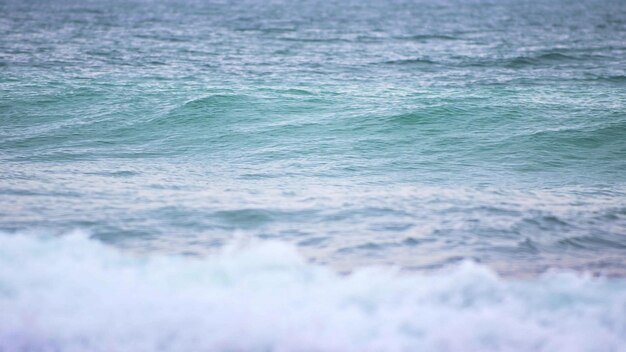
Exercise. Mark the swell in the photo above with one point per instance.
(551, 58)
(606, 140)
(482, 132)
(541, 59)
(151, 132)
(429, 37)
(459, 126)
(414, 61)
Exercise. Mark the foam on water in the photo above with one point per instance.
(75, 294)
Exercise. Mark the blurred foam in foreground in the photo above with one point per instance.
(76, 294)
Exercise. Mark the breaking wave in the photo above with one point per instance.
(76, 294)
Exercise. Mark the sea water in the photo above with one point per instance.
(306, 175)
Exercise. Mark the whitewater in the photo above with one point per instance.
(79, 295)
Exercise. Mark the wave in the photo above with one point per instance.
(429, 37)
(537, 59)
(414, 61)
(550, 58)
(606, 138)
(607, 78)
(76, 294)
(209, 106)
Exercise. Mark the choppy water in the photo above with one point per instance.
(414, 134)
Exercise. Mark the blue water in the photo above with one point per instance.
(411, 135)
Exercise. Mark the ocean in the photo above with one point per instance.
(307, 175)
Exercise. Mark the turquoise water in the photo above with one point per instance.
(413, 135)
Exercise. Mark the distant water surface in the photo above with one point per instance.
(411, 133)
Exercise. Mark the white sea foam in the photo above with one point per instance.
(76, 294)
